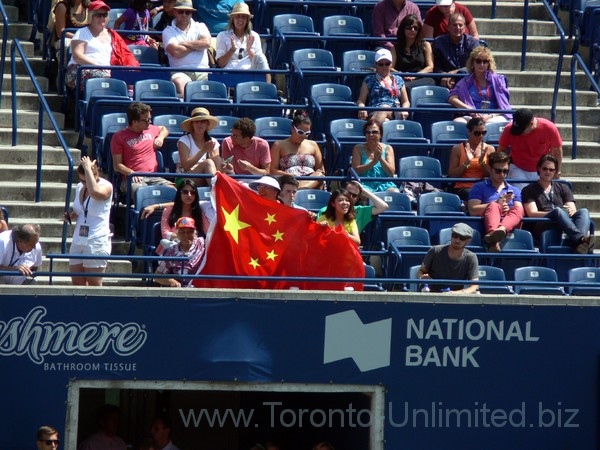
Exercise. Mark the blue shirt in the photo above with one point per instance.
(487, 193)
(448, 56)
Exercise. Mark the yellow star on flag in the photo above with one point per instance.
(270, 218)
(254, 262)
(233, 224)
(271, 255)
(278, 236)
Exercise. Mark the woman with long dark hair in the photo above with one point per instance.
(340, 211)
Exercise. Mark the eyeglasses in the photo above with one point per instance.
(104, 16)
(372, 132)
(480, 133)
(500, 171)
(188, 192)
(384, 64)
(147, 120)
(301, 132)
(456, 235)
(50, 441)
(481, 61)
(548, 169)
(411, 28)
(186, 12)
(240, 53)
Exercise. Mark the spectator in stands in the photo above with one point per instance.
(387, 16)
(483, 89)
(91, 210)
(374, 159)
(196, 149)
(20, 250)
(340, 211)
(452, 50)
(364, 213)
(186, 42)
(412, 54)
(555, 201)
(3, 222)
(134, 148)
(136, 18)
(238, 47)
(497, 201)
(436, 19)
(47, 438)
(267, 187)
(98, 46)
(161, 433)
(168, 14)
(106, 436)
(214, 13)
(529, 138)
(452, 262)
(189, 245)
(251, 154)
(383, 89)
(68, 14)
(298, 155)
(469, 159)
(288, 189)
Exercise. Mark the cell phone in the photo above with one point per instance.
(510, 192)
(228, 160)
(68, 217)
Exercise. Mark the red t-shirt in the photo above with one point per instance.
(527, 149)
(136, 149)
(434, 18)
(258, 154)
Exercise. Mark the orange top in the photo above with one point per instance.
(474, 170)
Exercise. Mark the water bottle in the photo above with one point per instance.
(426, 288)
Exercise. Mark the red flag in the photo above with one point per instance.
(258, 237)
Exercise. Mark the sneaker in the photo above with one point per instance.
(495, 236)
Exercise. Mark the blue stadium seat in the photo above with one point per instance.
(345, 28)
(223, 128)
(520, 241)
(273, 128)
(145, 55)
(584, 275)
(494, 131)
(157, 90)
(203, 91)
(258, 93)
(537, 274)
(171, 122)
(113, 15)
(419, 167)
(404, 239)
(491, 273)
(109, 125)
(324, 96)
(312, 199)
(310, 66)
(360, 61)
(447, 132)
(289, 33)
(399, 213)
(429, 97)
(344, 134)
(444, 206)
(372, 287)
(403, 135)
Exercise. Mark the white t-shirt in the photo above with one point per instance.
(97, 217)
(10, 256)
(224, 44)
(96, 49)
(197, 59)
(189, 143)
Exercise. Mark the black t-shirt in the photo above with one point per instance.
(559, 195)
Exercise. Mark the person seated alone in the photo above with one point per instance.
(452, 262)
(555, 201)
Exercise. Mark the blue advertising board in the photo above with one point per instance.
(454, 376)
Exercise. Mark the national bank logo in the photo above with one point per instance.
(31, 336)
(346, 336)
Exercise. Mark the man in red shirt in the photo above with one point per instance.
(249, 154)
(436, 19)
(530, 138)
(134, 148)
(387, 16)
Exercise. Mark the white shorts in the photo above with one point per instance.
(99, 246)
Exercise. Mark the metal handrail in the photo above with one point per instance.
(43, 108)
(4, 42)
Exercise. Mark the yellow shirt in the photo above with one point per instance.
(350, 226)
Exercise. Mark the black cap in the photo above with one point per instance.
(521, 120)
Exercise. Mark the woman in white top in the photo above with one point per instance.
(196, 149)
(238, 47)
(91, 211)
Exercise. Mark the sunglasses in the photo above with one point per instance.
(481, 61)
(240, 53)
(186, 12)
(302, 132)
(462, 238)
(188, 192)
(500, 171)
(411, 28)
(103, 15)
(372, 132)
(480, 133)
(50, 441)
(384, 64)
(548, 169)
(148, 120)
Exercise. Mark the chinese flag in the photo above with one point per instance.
(257, 237)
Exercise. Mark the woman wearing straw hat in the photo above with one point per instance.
(196, 149)
(238, 47)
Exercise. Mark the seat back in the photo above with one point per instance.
(360, 61)
(494, 131)
(224, 125)
(438, 203)
(343, 25)
(151, 89)
(397, 202)
(258, 92)
(447, 132)
(273, 128)
(584, 275)
(429, 97)
(313, 58)
(491, 273)
(345, 133)
(109, 125)
(293, 24)
(405, 236)
(201, 91)
(536, 274)
(145, 55)
(312, 199)
(419, 167)
(325, 93)
(171, 122)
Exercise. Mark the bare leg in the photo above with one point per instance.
(78, 280)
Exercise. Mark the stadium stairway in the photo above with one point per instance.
(18, 164)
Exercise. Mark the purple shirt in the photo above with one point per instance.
(499, 92)
(386, 19)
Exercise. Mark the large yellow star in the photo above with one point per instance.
(271, 255)
(233, 223)
(254, 262)
(270, 218)
(278, 236)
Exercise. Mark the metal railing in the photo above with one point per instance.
(43, 108)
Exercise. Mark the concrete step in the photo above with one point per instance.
(512, 27)
(26, 173)
(27, 154)
(106, 281)
(584, 133)
(50, 226)
(591, 202)
(21, 32)
(535, 61)
(12, 12)
(505, 10)
(25, 191)
(584, 149)
(38, 65)
(24, 83)
(516, 78)
(52, 244)
(30, 119)
(62, 265)
(29, 101)
(539, 44)
(585, 115)
(543, 96)
(34, 211)
(581, 168)
(29, 136)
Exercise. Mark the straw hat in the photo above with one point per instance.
(184, 4)
(241, 8)
(199, 114)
